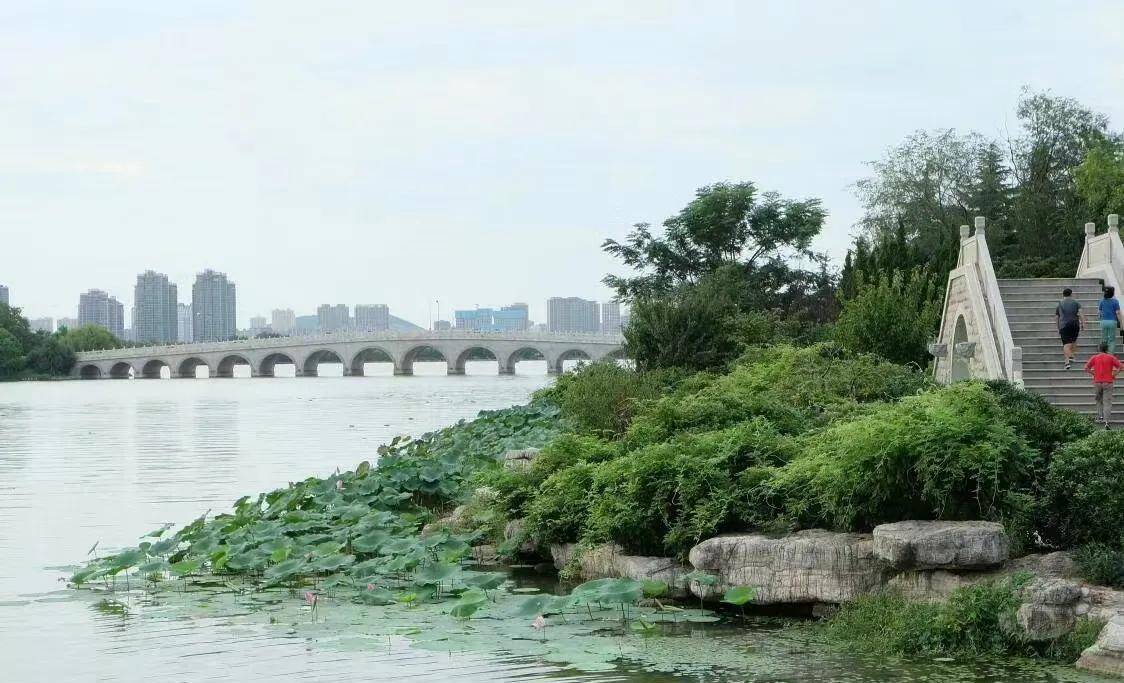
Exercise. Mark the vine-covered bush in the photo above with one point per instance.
(601, 398)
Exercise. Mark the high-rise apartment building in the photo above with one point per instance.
(258, 325)
(513, 318)
(372, 317)
(283, 321)
(333, 318)
(4, 295)
(474, 319)
(97, 307)
(572, 314)
(184, 324)
(42, 325)
(611, 320)
(213, 307)
(154, 309)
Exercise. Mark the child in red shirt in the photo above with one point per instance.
(1104, 367)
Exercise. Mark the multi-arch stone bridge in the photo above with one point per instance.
(353, 351)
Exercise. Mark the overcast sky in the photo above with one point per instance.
(412, 152)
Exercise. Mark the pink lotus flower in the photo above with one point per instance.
(310, 598)
(539, 623)
(370, 586)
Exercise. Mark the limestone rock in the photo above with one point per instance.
(1106, 656)
(930, 585)
(610, 561)
(1049, 608)
(812, 566)
(458, 520)
(520, 459)
(515, 530)
(941, 545)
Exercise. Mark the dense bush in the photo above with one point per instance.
(895, 316)
(795, 388)
(1084, 495)
(946, 454)
(1101, 564)
(560, 509)
(601, 398)
(970, 623)
(665, 498)
(1033, 418)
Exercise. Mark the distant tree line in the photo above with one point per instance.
(25, 353)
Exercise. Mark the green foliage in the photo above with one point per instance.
(1084, 497)
(975, 621)
(895, 316)
(946, 454)
(1101, 563)
(795, 388)
(726, 223)
(90, 338)
(1043, 426)
(601, 398)
(1100, 178)
(560, 507)
(11, 354)
(50, 355)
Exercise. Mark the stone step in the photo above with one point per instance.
(1046, 281)
(1082, 296)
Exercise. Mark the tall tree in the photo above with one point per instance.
(726, 224)
(90, 338)
(1100, 180)
(1056, 135)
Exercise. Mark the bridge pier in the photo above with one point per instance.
(506, 371)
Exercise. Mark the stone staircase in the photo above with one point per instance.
(1029, 305)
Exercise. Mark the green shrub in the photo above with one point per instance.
(1084, 494)
(665, 498)
(895, 317)
(601, 398)
(560, 509)
(1101, 564)
(973, 622)
(946, 454)
(795, 388)
(1036, 420)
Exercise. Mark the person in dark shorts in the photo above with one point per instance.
(1070, 323)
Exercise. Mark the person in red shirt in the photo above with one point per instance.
(1104, 367)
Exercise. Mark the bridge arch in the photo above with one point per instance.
(189, 365)
(313, 360)
(151, 369)
(120, 370)
(475, 352)
(90, 371)
(420, 353)
(270, 362)
(507, 367)
(571, 354)
(370, 354)
(226, 365)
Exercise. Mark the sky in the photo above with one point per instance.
(471, 154)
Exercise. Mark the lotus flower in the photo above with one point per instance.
(370, 586)
(539, 623)
(310, 598)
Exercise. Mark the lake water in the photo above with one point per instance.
(108, 461)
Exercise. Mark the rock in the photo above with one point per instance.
(458, 520)
(521, 459)
(1049, 608)
(610, 561)
(1106, 656)
(941, 545)
(485, 554)
(516, 530)
(1056, 564)
(930, 585)
(812, 566)
(822, 610)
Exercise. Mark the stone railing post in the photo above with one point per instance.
(1017, 366)
(1090, 231)
(980, 223)
(1113, 223)
(965, 232)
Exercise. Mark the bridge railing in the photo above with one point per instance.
(348, 337)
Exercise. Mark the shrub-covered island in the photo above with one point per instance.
(733, 486)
